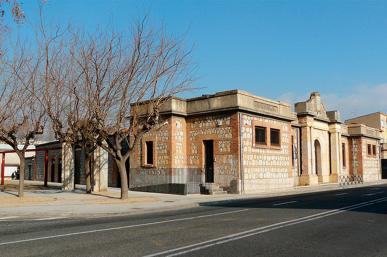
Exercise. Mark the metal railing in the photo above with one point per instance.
(350, 180)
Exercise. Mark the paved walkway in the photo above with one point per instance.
(54, 203)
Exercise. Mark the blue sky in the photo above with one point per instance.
(277, 49)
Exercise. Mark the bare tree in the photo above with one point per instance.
(17, 12)
(94, 92)
(22, 114)
(67, 98)
(148, 66)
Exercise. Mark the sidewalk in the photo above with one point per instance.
(54, 203)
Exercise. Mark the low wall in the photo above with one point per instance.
(172, 181)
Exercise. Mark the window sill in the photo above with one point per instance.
(272, 147)
(148, 166)
(275, 147)
(261, 146)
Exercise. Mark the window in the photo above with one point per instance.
(369, 149)
(374, 150)
(344, 155)
(260, 136)
(149, 152)
(275, 137)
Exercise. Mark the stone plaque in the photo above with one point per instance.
(266, 107)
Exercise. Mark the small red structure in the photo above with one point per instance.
(3, 153)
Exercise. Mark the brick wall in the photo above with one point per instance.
(169, 174)
(223, 130)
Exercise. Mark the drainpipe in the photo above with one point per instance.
(330, 152)
(2, 168)
(241, 155)
(299, 152)
(45, 167)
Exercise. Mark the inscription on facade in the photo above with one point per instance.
(266, 107)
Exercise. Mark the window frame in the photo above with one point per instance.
(369, 149)
(279, 137)
(258, 144)
(149, 143)
(144, 154)
(267, 127)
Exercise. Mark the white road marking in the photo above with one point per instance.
(341, 194)
(52, 218)
(261, 230)
(371, 194)
(9, 217)
(278, 204)
(119, 228)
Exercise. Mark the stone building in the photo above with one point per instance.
(236, 142)
(377, 120)
(60, 163)
(332, 150)
(232, 142)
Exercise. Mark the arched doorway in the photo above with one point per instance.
(317, 159)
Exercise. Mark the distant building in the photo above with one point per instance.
(12, 161)
(377, 120)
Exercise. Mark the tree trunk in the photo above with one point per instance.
(124, 179)
(21, 174)
(87, 171)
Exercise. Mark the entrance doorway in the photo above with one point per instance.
(60, 170)
(209, 160)
(317, 159)
(384, 168)
(53, 170)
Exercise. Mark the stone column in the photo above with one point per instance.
(67, 167)
(308, 176)
(336, 158)
(100, 170)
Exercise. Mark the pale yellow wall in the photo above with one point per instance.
(266, 168)
(371, 164)
(371, 120)
(345, 169)
(320, 133)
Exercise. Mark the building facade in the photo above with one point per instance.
(377, 120)
(231, 142)
(236, 142)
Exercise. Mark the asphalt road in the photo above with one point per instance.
(350, 222)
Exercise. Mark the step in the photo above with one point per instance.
(218, 192)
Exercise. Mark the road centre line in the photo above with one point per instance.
(9, 217)
(119, 228)
(283, 203)
(261, 230)
(339, 194)
(371, 194)
(51, 218)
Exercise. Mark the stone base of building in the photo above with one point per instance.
(323, 179)
(308, 180)
(333, 178)
(371, 177)
(179, 189)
